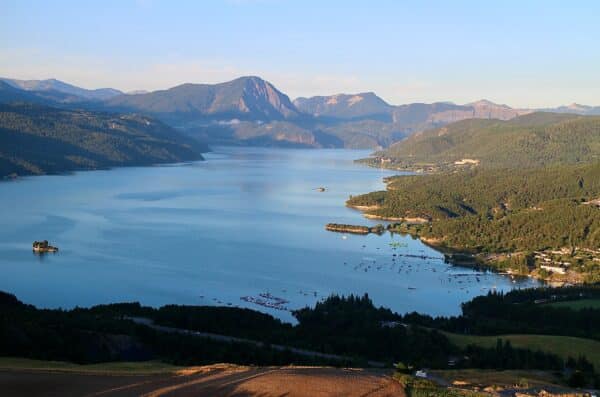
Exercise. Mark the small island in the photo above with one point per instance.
(43, 247)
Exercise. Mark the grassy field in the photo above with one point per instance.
(563, 346)
(500, 378)
(578, 304)
(130, 368)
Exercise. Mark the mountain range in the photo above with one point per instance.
(10, 93)
(252, 111)
(245, 98)
(65, 88)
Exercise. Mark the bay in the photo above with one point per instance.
(242, 228)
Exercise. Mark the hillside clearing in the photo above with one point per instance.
(563, 346)
(578, 304)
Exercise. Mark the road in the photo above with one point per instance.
(226, 338)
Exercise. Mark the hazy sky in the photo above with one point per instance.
(523, 53)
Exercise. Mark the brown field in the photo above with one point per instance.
(217, 380)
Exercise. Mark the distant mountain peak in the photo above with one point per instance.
(251, 78)
(345, 106)
(486, 102)
(577, 106)
(53, 84)
(486, 109)
(246, 97)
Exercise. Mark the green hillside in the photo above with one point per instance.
(37, 139)
(521, 195)
(106, 368)
(502, 216)
(562, 346)
(580, 304)
(532, 140)
(490, 193)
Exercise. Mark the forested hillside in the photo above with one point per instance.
(352, 328)
(520, 195)
(535, 139)
(36, 139)
(504, 215)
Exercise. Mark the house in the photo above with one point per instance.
(467, 162)
(392, 324)
(421, 374)
(553, 269)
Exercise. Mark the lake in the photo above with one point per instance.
(244, 228)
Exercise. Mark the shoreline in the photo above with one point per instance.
(409, 220)
(498, 262)
(66, 172)
(460, 256)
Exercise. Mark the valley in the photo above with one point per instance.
(243, 198)
(253, 112)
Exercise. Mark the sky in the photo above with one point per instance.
(522, 53)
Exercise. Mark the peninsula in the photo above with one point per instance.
(355, 229)
(526, 206)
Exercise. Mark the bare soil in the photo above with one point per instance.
(218, 380)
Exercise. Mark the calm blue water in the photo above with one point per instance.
(245, 222)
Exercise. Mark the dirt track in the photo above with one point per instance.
(213, 381)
